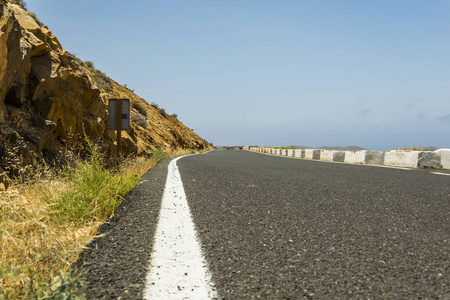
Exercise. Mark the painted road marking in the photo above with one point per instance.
(178, 269)
(439, 173)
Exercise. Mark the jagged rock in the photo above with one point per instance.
(49, 99)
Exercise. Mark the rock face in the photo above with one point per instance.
(49, 97)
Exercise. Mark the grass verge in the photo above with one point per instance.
(45, 224)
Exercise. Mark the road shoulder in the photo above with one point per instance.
(117, 261)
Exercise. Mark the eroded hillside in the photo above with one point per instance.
(49, 96)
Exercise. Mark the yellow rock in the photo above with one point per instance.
(49, 98)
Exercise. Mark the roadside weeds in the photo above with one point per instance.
(46, 223)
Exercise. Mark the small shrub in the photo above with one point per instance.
(413, 148)
(90, 64)
(162, 111)
(175, 116)
(140, 120)
(96, 192)
(102, 81)
(159, 155)
(139, 107)
(155, 105)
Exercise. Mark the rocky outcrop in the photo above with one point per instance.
(49, 97)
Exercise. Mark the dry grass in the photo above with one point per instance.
(38, 243)
(413, 148)
(141, 165)
(35, 242)
(139, 119)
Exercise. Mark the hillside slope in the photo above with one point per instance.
(49, 96)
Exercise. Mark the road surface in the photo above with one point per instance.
(282, 228)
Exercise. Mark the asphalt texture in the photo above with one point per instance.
(279, 228)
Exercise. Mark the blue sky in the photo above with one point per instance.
(274, 73)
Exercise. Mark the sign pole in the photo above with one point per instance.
(119, 119)
(119, 130)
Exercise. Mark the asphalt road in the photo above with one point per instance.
(279, 228)
(275, 227)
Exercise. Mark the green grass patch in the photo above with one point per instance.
(95, 192)
(46, 224)
(63, 285)
(94, 195)
(159, 155)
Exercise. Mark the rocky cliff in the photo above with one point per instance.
(49, 96)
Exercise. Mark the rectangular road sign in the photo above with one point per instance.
(125, 114)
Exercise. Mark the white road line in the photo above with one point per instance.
(439, 173)
(177, 268)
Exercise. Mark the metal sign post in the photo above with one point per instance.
(119, 129)
(119, 119)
